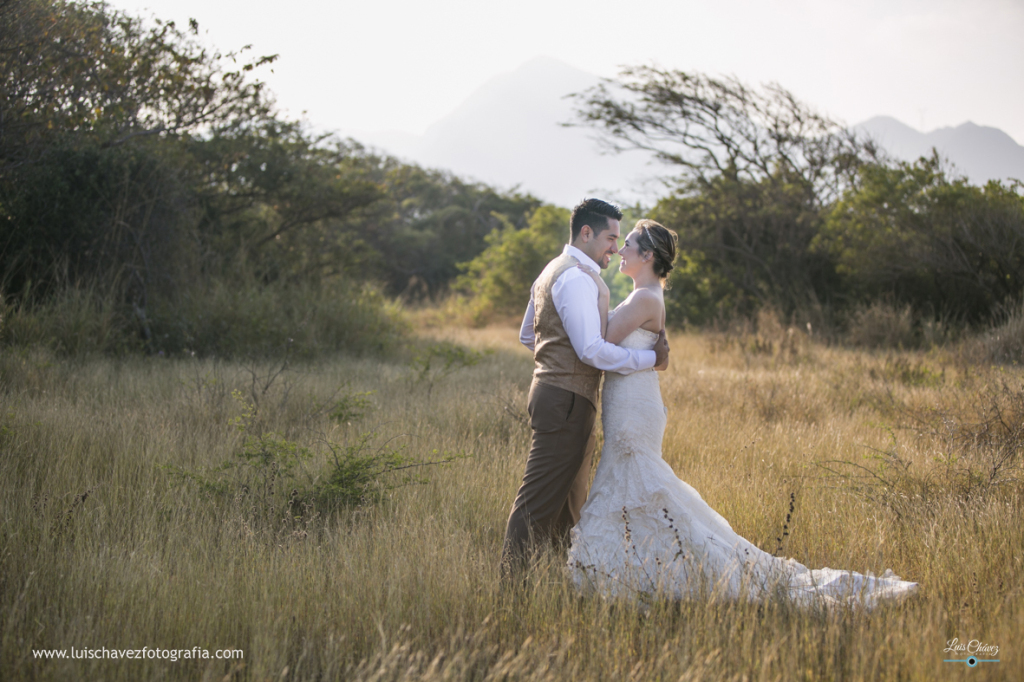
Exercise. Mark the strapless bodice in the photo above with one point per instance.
(639, 339)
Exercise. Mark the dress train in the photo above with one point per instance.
(643, 530)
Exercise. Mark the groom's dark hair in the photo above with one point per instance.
(593, 212)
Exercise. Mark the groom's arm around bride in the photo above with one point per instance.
(562, 326)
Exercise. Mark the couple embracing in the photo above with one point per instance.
(642, 530)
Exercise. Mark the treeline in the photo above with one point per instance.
(151, 197)
(780, 208)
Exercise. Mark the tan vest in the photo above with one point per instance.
(556, 361)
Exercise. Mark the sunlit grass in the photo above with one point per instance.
(101, 547)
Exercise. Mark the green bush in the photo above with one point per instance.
(744, 245)
(501, 276)
(912, 234)
(74, 320)
(275, 478)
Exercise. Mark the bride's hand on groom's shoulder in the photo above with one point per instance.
(602, 287)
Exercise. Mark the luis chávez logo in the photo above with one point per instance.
(972, 653)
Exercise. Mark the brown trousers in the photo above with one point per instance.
(554, 486)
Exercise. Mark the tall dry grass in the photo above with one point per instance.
(101, 547)
(235, 316)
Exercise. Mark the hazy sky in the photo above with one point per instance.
(401, 65)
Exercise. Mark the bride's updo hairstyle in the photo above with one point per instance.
(657, 239)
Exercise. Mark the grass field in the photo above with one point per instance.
(908, 461)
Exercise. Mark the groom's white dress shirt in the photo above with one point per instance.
(575, 296)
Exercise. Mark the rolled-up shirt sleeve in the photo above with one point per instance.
(575, 298)
(527, 336)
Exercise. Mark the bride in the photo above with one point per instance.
(642, 529)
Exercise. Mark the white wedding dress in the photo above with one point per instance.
(643, 531)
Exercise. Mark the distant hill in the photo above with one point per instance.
(980, 153)
(507, 133)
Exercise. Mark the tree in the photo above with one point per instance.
(133, 156)
(127, 150)
(83, 71)
(501, 276)
(711, 127)
(752, 239)
(431, 222)
(285, 201)
(758, 171)
(95, 109)
(910, 233)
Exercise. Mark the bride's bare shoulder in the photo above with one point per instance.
(644, 299)
(647, 295)
(642, 309)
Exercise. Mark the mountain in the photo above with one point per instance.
(507, 133)
(979, 152)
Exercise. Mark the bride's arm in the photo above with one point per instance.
(637, 310)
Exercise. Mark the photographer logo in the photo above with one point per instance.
(972, 653)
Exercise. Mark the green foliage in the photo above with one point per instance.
(904, 234)
(698, 293)
(282, 201)
(440, 360)
(757, 167)
(91, 164)
(274, 478)
(244, 318)
(745, 245)
(778, 207)
(360, 474)
(350, 407)
(152, 199)
(430, 222)
(501, 276)
(263, 476)
(133, 156)
(86, 73)
(910, 233)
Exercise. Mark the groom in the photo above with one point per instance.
(562, 327)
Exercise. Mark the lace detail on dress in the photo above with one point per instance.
(643, 530)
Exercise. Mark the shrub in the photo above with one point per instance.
(882, 325)
(913, 233)
(246, 318)
(276, 478)
(73, 321)
(220, 317)
(1004, 342)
